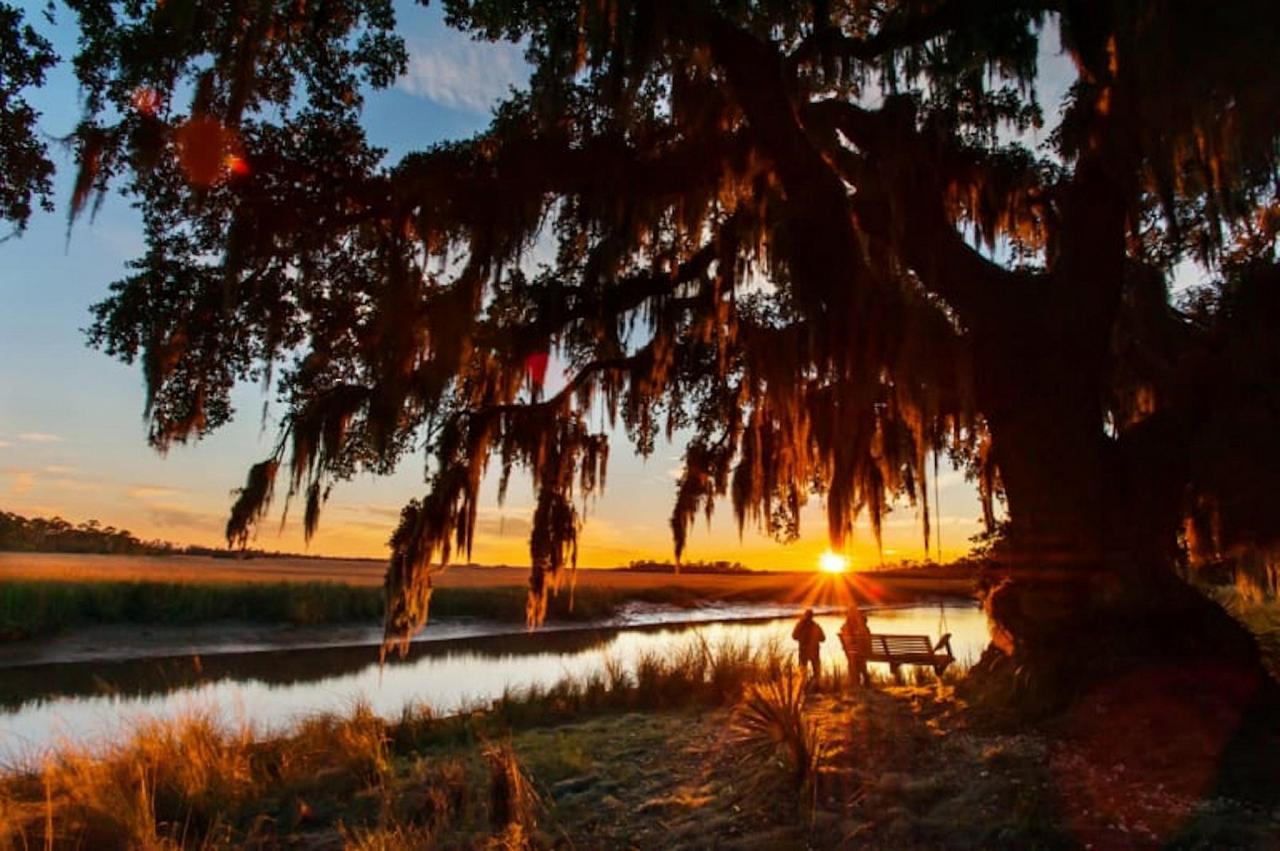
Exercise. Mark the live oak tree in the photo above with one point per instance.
(832, 241)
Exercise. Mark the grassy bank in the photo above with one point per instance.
(31, 608)
(195, 783)
(692, 750)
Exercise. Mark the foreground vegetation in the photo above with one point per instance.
(196, 783)
(721, 747)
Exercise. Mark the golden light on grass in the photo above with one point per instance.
(830, 562)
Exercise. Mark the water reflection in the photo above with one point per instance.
(85, 702)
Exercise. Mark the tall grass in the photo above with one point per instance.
(514, 803)
(191, 782)
(1260, 615)
(196, 782)
(33, 607)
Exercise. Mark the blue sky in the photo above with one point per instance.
(72, 437)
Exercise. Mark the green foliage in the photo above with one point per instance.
(715, 567)
(24, 157)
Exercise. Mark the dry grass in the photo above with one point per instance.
(193, 782)
(514, 803)
(43, 593)
(398, 837)
(198, 783)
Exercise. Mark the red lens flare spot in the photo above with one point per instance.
(536, 367)
(1140, 749)
(146, 100)
(237, 165)
(207, 151)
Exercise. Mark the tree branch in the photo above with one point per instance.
(902, 32)
(902, 178)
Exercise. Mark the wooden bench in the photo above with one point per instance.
(899, 650)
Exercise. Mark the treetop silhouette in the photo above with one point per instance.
(818, 237)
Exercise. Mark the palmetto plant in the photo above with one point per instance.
(770, 727)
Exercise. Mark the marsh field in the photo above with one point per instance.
(663, 710)
(370, 573)
(44, 593)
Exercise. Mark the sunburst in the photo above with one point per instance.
(830, 562)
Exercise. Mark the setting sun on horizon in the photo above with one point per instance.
(831, 562)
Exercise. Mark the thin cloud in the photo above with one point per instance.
(463, 74)
(358, 510)
(23, 482)
(503, 526)
(59, 469)
(945, 520)
(75, 485)
(170, 516)
(4, 444)
(149, 492)
(39, 437)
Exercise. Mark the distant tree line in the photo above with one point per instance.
(56, 535)
(648, 566)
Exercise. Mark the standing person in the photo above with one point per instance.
(808, 635)
(855, 638)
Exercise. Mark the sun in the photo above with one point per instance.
(830, 562)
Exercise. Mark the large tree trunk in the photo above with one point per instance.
(1093, 630)
(1090, 620)
(1088, 590)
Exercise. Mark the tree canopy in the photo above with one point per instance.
(832, 241)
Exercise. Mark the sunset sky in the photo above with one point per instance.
(72, 438)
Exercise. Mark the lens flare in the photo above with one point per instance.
(830, 562)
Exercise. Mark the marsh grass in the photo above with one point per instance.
(39, 607)
(514, 803)
(198, 782)
(193, 781)
(35, 607)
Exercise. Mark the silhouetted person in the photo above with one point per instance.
(855, 638)
(808, 636)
